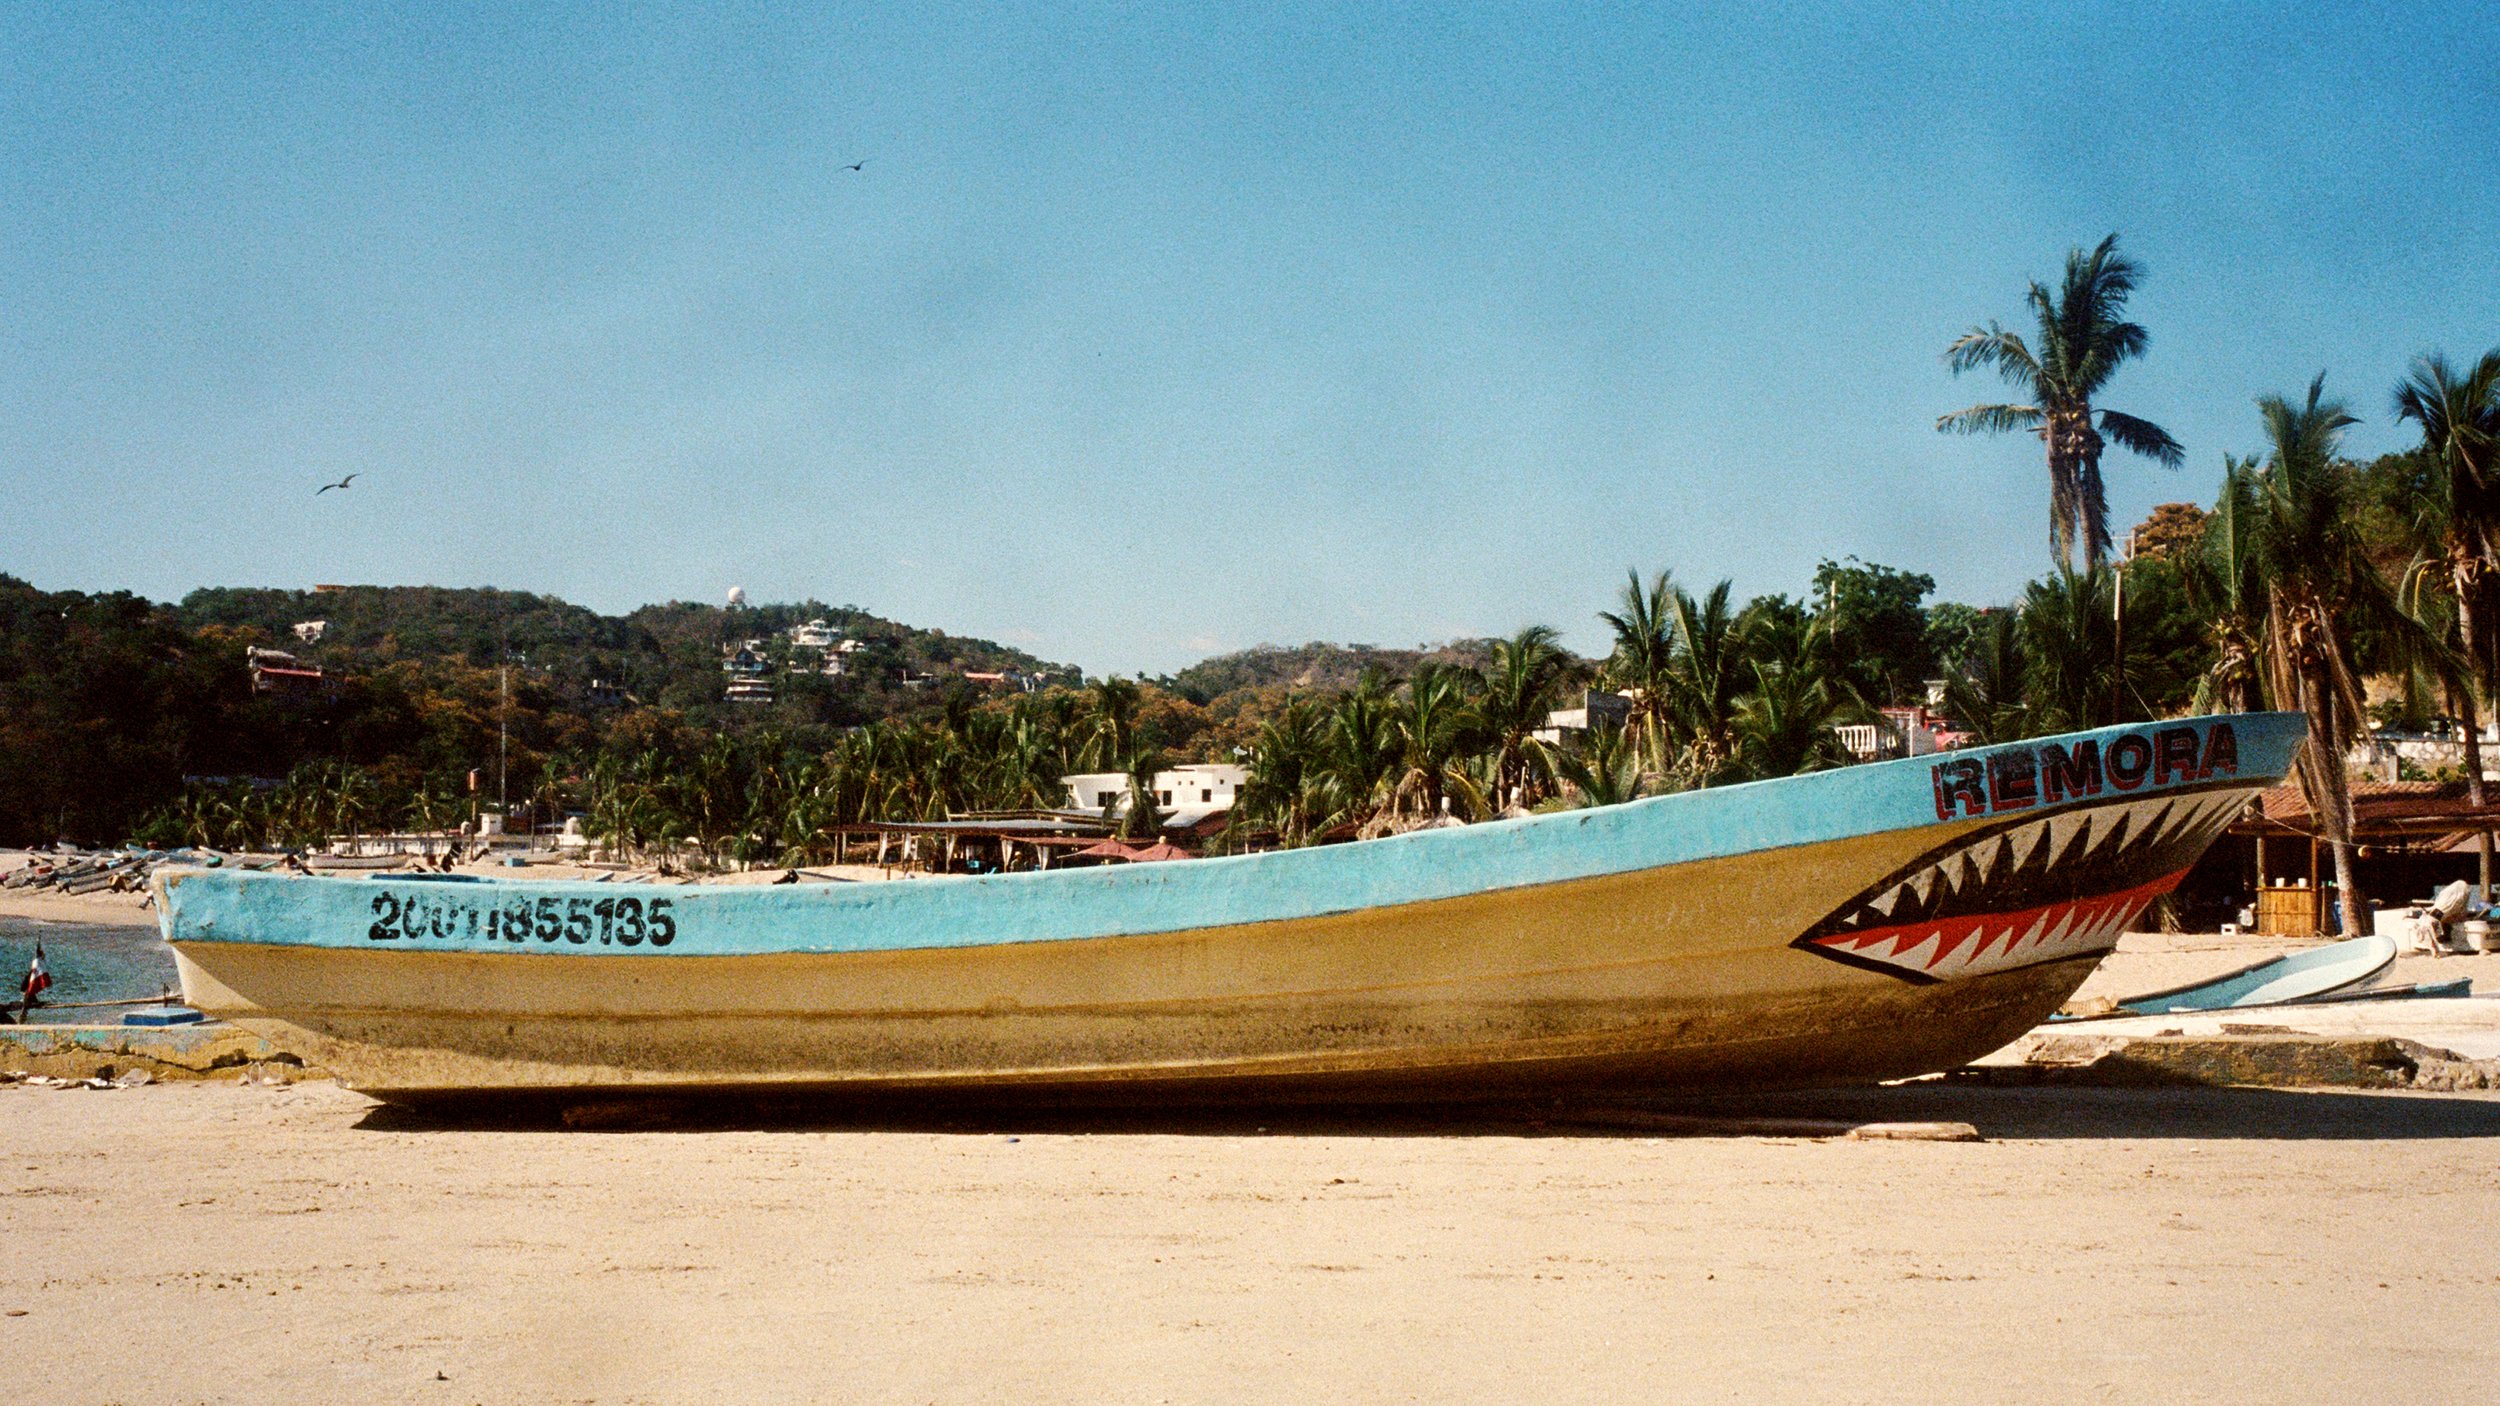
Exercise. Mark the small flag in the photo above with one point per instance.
(38, 980)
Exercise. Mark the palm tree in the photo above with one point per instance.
(2319, 586)
(1363, 746)
(2225, 586)
(1604, 770)
(1286, 790)
(2070, 642)
(1111, 722)
(1643, 663)
(1988, 699)
(1785, 720)
(1142, 820)
(1522, 682)
(1706, 674)
(1784, 725)
(1436, 732)
(2083, 340)
(2453, 513)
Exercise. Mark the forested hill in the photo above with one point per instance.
(1318, 666)
(665, 655)
(108, 701)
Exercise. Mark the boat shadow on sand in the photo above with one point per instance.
(2154, 1114)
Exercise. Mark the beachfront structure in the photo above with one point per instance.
(1597, 708)
(1187, 795)
(1897, 732)
(2414, 836)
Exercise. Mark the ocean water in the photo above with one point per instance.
(88, 963)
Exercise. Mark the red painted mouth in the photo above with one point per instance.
(1954, 946)
(2039, 889)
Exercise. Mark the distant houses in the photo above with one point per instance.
(1011, 680)
(276, 671)
(749, 674)
(821, 647)
(1912, 731)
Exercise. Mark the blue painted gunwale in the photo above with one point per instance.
(1145, 899)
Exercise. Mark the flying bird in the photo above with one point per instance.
(342, 483)
(856, 165)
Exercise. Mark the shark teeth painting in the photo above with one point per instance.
(2014, 894)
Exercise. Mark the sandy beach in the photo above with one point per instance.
(220, 1242)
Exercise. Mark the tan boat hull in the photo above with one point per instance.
(1675, 977)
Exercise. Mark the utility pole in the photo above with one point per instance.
(503, 733)
(2118, 624)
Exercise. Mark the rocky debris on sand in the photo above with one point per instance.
(2251, 1055)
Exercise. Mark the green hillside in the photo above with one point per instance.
(108, 702)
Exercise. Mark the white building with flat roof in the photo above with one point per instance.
(1197, 789)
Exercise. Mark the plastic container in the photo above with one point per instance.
(2478, 935)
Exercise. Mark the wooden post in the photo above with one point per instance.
(2317, 895)
(2261, 863)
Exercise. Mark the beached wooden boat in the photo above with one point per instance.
(1866, 923)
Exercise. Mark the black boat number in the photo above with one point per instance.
(611, 922)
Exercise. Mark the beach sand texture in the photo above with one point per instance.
(218, 1243)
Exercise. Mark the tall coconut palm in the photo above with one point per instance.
(2319, 586)
(2083, 339)
(2225, 586)
(1707, 675)
(2453, 511)
(1643, 663)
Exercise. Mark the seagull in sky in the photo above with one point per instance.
(342, 483)
(856, 164)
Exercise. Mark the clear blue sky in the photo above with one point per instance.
(1149, 332)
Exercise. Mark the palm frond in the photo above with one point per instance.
(2143, 437)
(1993, 346)
(1991, 419)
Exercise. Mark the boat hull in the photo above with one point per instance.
(1833, 959)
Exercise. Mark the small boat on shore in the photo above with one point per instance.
(1868, 923)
